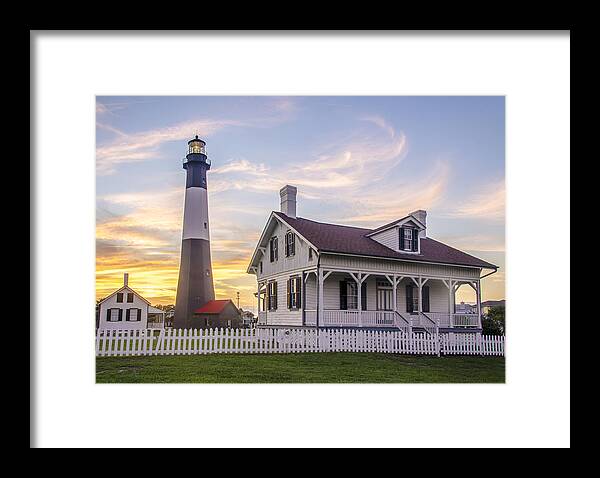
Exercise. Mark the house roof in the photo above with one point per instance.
(123, 289)
(339, 239)
(410, 217)
(213, 307)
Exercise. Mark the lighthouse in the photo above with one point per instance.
(195, 287)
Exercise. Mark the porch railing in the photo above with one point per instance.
(446, 320)
(340, 318)
(155, 325)
(350, 318)
(383, 318)
(465, 320)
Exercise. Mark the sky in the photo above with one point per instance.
(360, 161)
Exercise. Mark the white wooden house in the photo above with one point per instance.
(125, 309)
(395, 276)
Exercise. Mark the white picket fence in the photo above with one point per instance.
(289, 340)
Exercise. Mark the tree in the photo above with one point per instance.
(494, 322)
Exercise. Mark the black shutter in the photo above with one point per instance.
(139, 315)
(363, 296)
(415, 240)
(425, 292)
(401, 238)
(120, 315)
(267, 298)
(108, 315)
(343, 295)
(409, 298)
(287, 246)
(127, 315)
(298, 292)
(289, 293)
(293, 244)
(275, 295)
(276, 248)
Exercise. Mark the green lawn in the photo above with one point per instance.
(300, 368)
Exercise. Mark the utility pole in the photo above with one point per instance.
(238, 299)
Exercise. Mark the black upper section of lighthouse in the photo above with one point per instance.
(196, 163)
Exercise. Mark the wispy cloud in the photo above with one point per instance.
(382, 123)
(342, 165)
(475, 242)
(488, 203)
(382, 204)
(145, 145)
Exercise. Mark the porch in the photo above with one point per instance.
(331, 298)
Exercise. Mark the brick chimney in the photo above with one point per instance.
(125, 279)
(288, 200)
(421, 215)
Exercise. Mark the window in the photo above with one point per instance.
(294, 292)
(260, 267)
(114, 315)
(310, 254)
(133, 315)
(290, 244)
(412, 298)
(129, 297)
(272, 295)
(409, 239)
(119, 296)
(349, 295)
(273, 252)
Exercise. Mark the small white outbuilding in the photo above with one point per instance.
(125, 309)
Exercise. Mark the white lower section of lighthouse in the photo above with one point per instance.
(195, 215)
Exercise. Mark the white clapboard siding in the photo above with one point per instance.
(110, 343)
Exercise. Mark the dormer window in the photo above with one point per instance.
(290, 244)
(409, 239)
(273, 252)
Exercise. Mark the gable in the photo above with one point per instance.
(125, 289)
(278, 225)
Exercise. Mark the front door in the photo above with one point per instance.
(384, 297)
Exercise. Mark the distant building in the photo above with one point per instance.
(125, 309)
(464, 308)
(488, 304)
(248, 318)
(217, 314)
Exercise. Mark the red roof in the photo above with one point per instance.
(354, 240)
(213, 307)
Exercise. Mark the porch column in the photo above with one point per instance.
(420, 284)
(303, 299)
(395, 292)
(319, 296)
(478, 291)
(450, 299)
(258, 299)
(359, 286)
